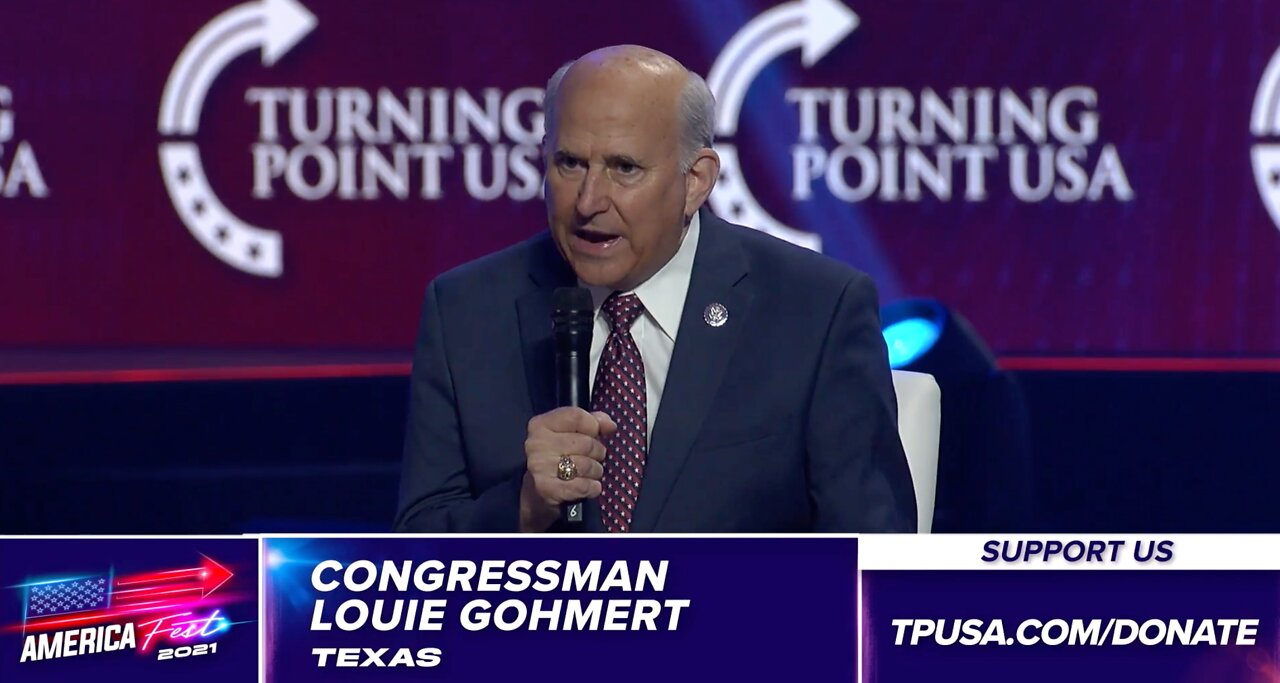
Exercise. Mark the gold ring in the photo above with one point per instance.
(566, 470)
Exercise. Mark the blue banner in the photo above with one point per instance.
(875, 609)
(1190, 609)
(621, 609)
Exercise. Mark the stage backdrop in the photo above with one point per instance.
(1095, 177)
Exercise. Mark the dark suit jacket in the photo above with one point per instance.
(781, 420)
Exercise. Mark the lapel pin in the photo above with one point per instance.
(715, 315)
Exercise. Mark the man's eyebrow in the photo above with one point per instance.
(620, 159)
(561, 156)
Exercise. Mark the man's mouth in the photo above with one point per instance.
(595, 236)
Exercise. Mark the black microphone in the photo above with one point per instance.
(572, 317)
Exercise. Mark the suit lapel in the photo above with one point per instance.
(698, 363)
(548, 271)
(534, 310)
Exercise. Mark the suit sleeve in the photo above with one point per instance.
(859, 480)
(435, 492)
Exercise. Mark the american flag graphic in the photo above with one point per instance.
(65, 597)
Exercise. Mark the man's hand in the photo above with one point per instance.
(564, 431)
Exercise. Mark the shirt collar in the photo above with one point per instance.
(664, 293)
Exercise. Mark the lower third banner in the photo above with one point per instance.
(1185, 609)
(531, 609)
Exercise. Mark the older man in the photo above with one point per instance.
(740, 383)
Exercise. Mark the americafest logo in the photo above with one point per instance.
(853, 144)
(169, 613)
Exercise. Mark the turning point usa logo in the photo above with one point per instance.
(885, 144)
(167, 613)
(894, 144)
(349, 143)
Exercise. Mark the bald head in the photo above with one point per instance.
(647, 78)
(635, 60)
(628, 162)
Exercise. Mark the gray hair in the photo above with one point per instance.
(697, 113)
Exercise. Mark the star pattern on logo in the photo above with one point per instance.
(67, 596)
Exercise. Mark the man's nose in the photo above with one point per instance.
(593, 193)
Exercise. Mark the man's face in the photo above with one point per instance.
(615, 193)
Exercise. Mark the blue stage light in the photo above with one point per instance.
(984, 462)
(925, 336)
(910, 339)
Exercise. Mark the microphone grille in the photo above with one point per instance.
(572, 300)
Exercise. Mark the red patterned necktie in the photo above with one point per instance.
(620, 392)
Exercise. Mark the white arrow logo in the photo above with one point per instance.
(814, 26)
(1264, 124)
(275, 26)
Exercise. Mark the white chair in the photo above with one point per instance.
(919, 424)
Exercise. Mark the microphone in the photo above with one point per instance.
(572, 317)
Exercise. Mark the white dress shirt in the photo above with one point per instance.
(655, 331)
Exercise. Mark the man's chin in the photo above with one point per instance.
(597, 279)
(599, 273)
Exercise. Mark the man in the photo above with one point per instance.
(741, 383)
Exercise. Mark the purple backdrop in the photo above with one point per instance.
(1158, 242)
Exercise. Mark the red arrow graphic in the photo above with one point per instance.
(144, 593)
(166, 585)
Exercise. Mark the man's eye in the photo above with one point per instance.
(569, 163)
(627, 168)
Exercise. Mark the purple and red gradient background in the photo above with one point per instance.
(1190, 267)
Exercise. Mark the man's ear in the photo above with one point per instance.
(701, 179)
